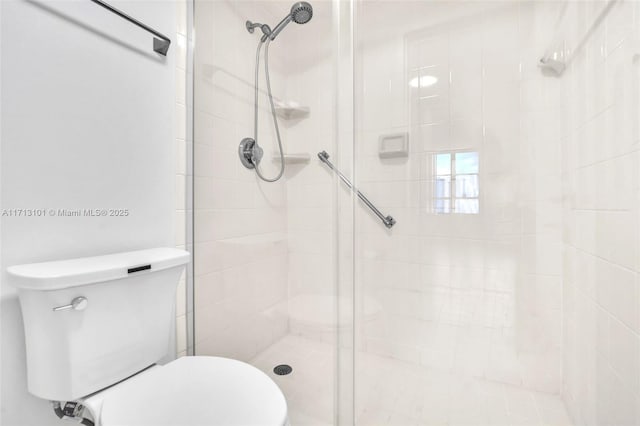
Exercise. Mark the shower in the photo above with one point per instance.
(249, 150)
(461, 193)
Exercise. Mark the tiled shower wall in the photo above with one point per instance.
(477, 294)
(601, 163)
(263, 250)
(310, 185)
(240, 222)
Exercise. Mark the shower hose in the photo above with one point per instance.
(273, 110)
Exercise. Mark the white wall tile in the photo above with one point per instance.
(600, 224)
(242, 253)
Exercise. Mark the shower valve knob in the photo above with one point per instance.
(250, 153)
(257, 154)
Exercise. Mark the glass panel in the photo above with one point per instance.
(268, 272)
(442, 205)
(417, 323)
(442, 187)
(340, 263)
(450, 309)
(466, 162)
(469, 206)
(467, 186)
(443, 164)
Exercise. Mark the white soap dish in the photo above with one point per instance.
(393, 145)
(290, 110)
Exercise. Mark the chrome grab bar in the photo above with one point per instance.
(387, 220)
(161, 42)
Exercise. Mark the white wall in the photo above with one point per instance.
(87, 122)
(600, 163)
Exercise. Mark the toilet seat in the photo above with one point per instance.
(196, 391)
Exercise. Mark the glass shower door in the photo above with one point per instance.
(268, 265)
(491, 301)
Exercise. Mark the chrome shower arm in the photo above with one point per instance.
(387, 220)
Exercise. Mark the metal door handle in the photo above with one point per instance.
(77, 304)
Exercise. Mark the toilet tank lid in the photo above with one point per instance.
(89, 270)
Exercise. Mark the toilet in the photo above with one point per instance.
(96, 329)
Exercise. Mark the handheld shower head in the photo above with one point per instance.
(249, 151)
(301, 13)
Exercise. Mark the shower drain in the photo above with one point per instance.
(282, 369)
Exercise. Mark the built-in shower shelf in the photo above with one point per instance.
(257, 240)
(300, 158)
(290, 110)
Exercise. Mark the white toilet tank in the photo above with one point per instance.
(121, 321)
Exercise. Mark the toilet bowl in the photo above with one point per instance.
(191, 391)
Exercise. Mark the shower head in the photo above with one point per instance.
(301, 13)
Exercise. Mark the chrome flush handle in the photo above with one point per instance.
(77, 304)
